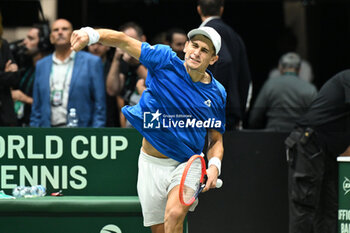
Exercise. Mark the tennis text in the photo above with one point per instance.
(18, 148)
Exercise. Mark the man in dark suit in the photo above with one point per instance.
(232, 69)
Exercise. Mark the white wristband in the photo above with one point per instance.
(94, 36)
(216, 162)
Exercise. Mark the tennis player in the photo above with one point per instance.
(182, 103)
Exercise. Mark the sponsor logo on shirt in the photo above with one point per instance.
(208, 103)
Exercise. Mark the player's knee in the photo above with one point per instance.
(174, 215)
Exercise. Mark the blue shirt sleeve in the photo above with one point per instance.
(155, 57)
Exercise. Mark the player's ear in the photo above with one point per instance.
(213, 59)
(185, 48)
(143, 38)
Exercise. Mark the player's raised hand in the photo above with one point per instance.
(212, 174)
(79, 40)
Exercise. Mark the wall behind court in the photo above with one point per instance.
(254, 196)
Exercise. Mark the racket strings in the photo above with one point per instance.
(192, 180)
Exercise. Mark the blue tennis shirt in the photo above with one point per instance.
(174, 112)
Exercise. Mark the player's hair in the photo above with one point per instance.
(210, 7)
(134, 26)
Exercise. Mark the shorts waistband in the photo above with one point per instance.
(160, 161)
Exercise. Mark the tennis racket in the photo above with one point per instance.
(193, 180)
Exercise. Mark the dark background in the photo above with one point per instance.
(254, 195)
(259, 22)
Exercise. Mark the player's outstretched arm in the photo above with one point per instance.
(81, 38)
(215, 154)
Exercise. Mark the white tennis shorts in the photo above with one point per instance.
(156, 178)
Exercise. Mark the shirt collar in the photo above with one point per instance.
(290, 74)
(208, 19)
(68, 59)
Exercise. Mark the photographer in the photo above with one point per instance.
(35, 46)
(127, 75)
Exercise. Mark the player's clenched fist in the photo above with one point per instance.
(79, 40)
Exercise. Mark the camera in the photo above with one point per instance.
(19, 52)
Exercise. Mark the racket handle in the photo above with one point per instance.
(219, 183)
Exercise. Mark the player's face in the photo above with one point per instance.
(199, 53)
(61, 32)
(31, 41)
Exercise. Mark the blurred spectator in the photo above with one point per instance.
(103, 51)
(288, 42)
(282, 100)
(320, 136)
(36, 45)
(232, 69)
(160, 38)
(177, 38)
(9, 78)
(127, 75)
(305, 72)
(65, 80)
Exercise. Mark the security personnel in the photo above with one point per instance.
(320, 136)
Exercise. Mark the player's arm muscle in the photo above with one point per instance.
(215, 144)
(80, 39)
(119, 39)
(215, 149)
